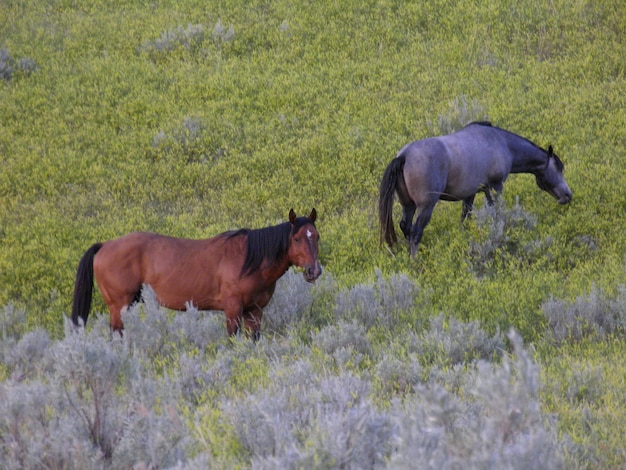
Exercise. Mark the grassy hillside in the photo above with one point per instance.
(190, 118)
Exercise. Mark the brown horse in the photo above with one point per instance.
(235, 271)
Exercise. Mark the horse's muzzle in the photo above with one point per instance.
(311, 273)
(563, 195)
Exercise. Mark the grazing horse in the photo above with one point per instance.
(454, 167)
(235, 271)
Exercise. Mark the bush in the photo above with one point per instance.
(12, 326)
(592, 316)
(343, 335)
(384, 303)
(504, 234)
(291, 302)
(84, 401)
(9, 66)
(499, 423)
(460, 114)
(190, 118)
(161, 395)
(309, 419)
(450, 342)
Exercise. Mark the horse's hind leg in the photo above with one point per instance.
(117, 302)
(417, 231)
(408, 212)
(118, 307)
(115, 313)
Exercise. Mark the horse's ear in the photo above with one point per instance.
(550, 151)
(313, 215)
(292, 216)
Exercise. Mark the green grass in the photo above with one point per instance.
(190, 118)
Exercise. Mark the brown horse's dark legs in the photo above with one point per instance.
(115, 313)
(252, 323)
(233, 311)
(232, 325)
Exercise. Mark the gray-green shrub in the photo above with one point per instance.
(449, 341)
(461, 112)
(336, 401)
(290, 303)
(592, 316)
(9, 66)
(497, 422)
(385, 302)
(503, 240)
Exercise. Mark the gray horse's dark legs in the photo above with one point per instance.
(488, 196)
(417, 231)
(468, 206)
(408, 212)
(468, 203)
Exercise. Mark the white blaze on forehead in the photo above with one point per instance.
(309, 234)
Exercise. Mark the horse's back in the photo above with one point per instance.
(178, 269)
(482, 153)
(122, 254)
(457, 164)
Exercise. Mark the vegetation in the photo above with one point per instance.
(501, 344)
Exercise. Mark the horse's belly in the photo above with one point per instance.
(461, 191)
(181, 300)
(211, 297)
(465, 182)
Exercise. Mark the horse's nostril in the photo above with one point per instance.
(312, 272)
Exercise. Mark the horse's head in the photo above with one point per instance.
(303, 245)
(550, 179)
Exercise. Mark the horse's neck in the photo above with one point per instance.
(527, 157)
(273, 270)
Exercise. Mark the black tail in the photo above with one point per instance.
(83, 287)
(388, 187)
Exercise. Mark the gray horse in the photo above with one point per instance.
(455, 167)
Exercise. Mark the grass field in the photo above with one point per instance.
(191, 118)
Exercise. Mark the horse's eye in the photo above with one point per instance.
(297, 240)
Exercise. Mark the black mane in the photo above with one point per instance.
(558, 161)
(269, 243)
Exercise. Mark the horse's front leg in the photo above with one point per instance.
(468, 207)
(497, 187)
(252, 322)
(488, 196)
(486, 190)
(233, 309)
